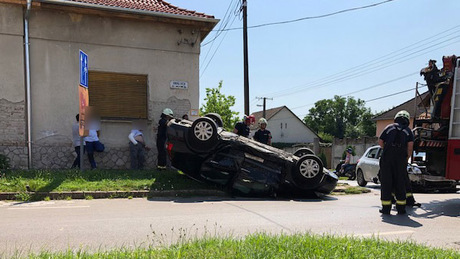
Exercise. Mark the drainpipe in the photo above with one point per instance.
(27, 75)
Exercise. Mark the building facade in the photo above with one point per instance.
(141, 59)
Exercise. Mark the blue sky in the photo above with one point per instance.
(380, 49)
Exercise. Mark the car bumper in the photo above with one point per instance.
(432, 183)
(328, 182)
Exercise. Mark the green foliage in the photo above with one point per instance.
(325, 137)
(4, 164)
(216, 102)
(341, 117)
(323, 158)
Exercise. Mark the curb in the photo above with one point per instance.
(112, 194)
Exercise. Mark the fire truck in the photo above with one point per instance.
(437, 120)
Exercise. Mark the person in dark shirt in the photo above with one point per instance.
(161, 137)
(242, 127)
(397, 143)
(263, 135)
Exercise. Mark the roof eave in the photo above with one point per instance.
(129, 10)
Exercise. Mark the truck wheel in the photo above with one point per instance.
(216, 118)
(303, 151)
(202, 136)
(360, 178)
(308, 171)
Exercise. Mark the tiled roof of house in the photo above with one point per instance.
(158, 6)
(408, 106)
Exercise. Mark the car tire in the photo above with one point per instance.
(360, 178)
(303, 151)
(216, 118)
(202, 136)
(308, 172)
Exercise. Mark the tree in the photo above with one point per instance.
(341, 117)
(217, 102)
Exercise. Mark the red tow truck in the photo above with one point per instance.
(437, 122)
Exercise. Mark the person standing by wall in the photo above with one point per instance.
(161, 137)
(397, 142)
(263, 135)
(76, 141)
(137, 146)
(92, 141)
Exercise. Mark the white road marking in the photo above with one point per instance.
(387, 233)
(39, 208)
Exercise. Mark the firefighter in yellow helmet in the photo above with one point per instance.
(397, 142)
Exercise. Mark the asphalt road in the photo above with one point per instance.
(108, 223)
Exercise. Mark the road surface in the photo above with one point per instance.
(108, 223)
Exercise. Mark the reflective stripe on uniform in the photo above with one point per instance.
(403, 202)
(388, 202)
(409, 194)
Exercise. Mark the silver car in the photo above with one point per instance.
(368, 168)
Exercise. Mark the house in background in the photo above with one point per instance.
(285, 126)
(413, 106)
(143, 56)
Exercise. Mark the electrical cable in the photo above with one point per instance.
(312, 17)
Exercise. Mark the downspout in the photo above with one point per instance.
(27, 75)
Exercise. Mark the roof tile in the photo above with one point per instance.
(147, 5)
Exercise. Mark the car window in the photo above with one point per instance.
(379, 153)
(372, 153)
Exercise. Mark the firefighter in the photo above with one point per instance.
(263, 135)
(397, 142)
(242, 127)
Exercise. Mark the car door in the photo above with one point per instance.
(370, 167)
(375, 163)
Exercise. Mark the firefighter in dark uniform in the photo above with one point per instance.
(263, 135)
(397, 142)
(166, 115)
(242, 127)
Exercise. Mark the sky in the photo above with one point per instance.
(367, 53)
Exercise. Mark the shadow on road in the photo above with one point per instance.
(434, 209)
(401, 220)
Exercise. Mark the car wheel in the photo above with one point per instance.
(309, 170)
(216, 118)
(303, 151)
(360, 178)
(202, 135)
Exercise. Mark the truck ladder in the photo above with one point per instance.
(454, 124)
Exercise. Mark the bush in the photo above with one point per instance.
(4, 164)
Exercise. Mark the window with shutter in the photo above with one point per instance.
(118, 96)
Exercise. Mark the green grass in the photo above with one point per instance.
(272, 246)
(95, 180)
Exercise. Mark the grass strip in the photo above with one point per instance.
(272, 246)
(96, 180)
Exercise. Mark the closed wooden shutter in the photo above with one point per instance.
(118, 96)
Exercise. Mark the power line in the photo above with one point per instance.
(312, 17)
(376, 61)
(389, 95)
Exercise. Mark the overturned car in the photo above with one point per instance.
(203, 150)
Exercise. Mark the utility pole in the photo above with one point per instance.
(245, 53)
(264, 105)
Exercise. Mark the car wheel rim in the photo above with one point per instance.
(203, 131)
(309, 168)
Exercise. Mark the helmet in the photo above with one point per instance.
(168, 112)
(350, 150)
(263, 121)
(250, 118)
(402, 114)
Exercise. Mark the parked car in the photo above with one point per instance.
(368, 169)
(203, 150)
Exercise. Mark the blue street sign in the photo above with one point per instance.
(83, 69)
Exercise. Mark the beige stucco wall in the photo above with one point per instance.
(113, 45)
(381, 124)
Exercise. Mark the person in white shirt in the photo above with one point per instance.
(76, 141)
(92, 142)
(137, 146)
